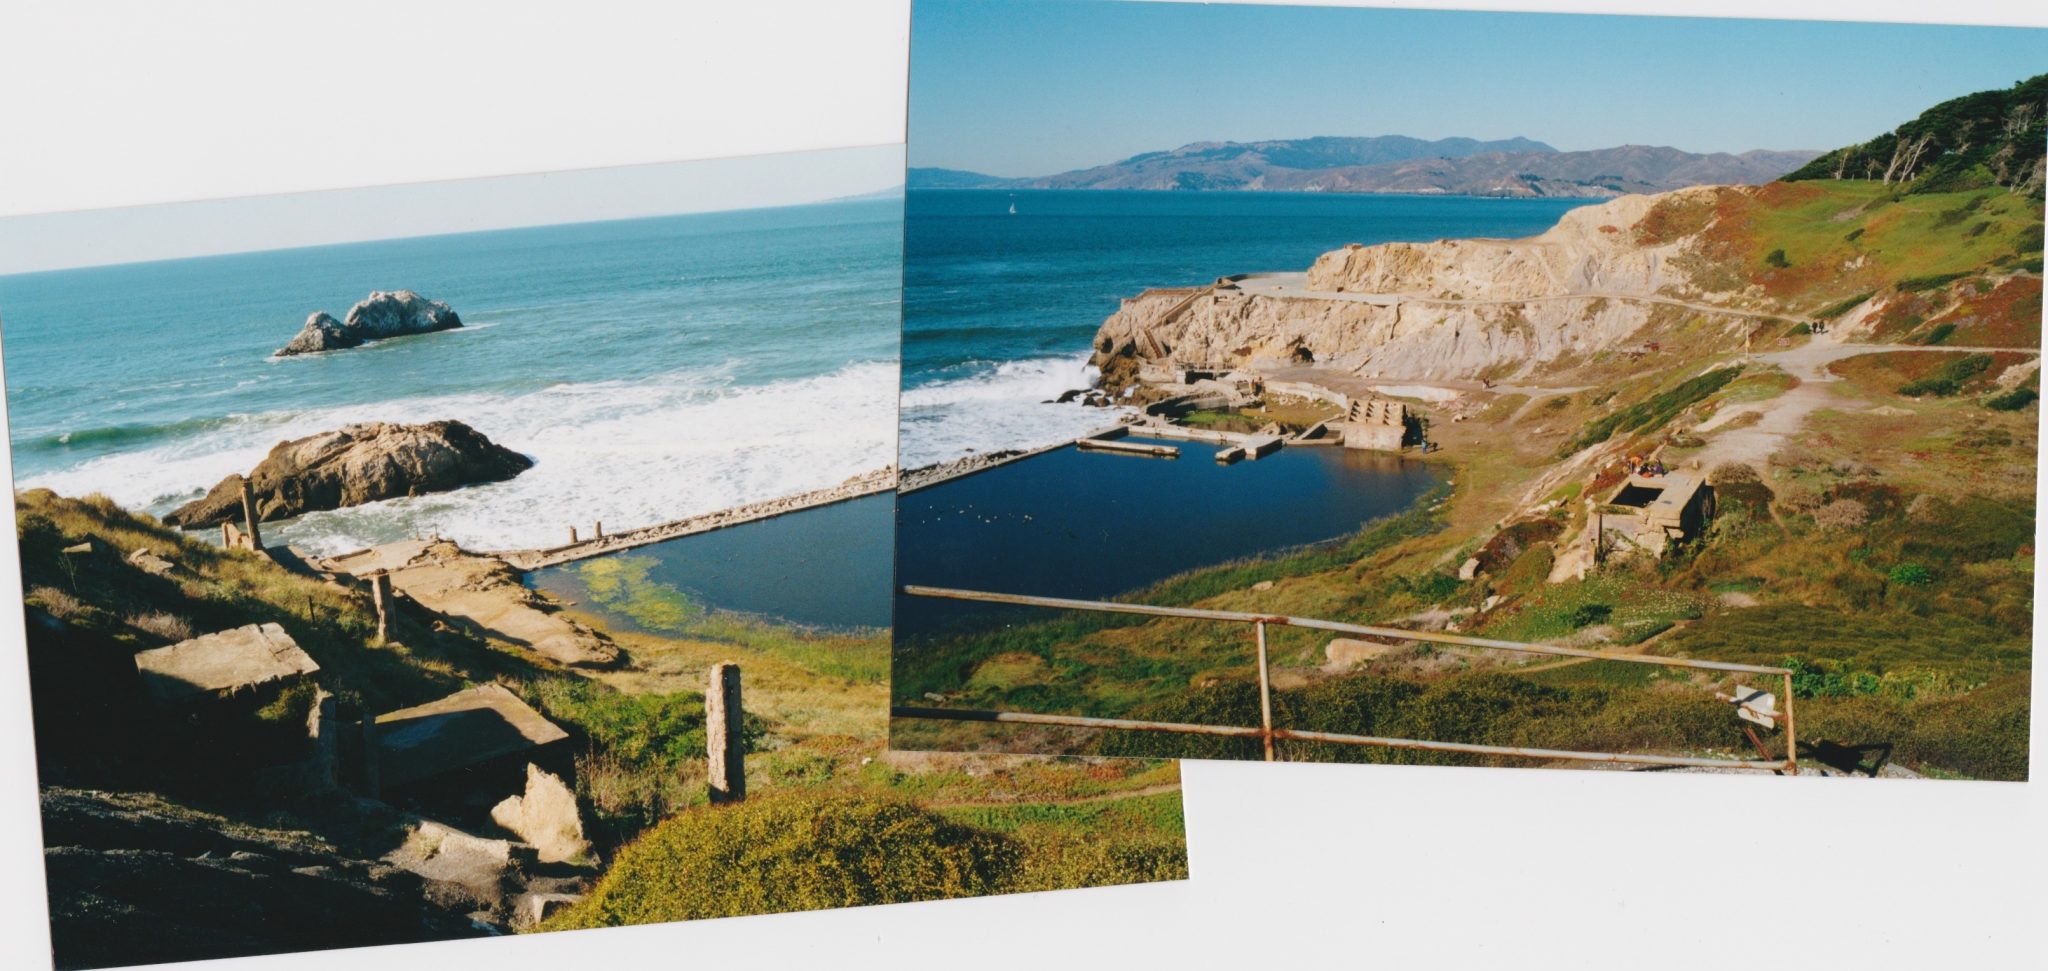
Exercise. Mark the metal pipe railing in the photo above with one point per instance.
(1269, 734)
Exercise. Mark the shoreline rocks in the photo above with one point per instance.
(383, 314)
(356, 464)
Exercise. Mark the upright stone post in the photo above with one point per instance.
(373, 783)
(322, 724)
(249, 514)
(598, 527)
(724, 731)
(380, 594)
(572, 536)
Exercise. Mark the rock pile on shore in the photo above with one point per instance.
(381, 315)
(356, 464)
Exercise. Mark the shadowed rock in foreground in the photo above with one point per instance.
(359, 463)
(380, 315)
(135, 879)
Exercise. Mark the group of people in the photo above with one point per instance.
(1638, 465)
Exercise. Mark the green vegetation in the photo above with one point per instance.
(1990, 138)
(1950, 379)
(1846, 304)
(1654, 411)
(622, 587)
(830, 822)
(794, 851)
(2013, 400)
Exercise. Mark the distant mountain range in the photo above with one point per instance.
(1397, 164)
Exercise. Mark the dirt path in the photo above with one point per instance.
(1295, 285)
(1781, 417)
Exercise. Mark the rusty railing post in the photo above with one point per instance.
(1265, 691)
(1791, 732)
(249, 514)
(724, 734)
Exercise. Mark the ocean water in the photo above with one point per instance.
(653, 368)
(999, 309)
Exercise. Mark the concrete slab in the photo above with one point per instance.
(466, 728)
(222, 663)
(1259, 446)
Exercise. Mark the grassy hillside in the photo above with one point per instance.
(1879, 541)
(1990, 138)
(825, 791)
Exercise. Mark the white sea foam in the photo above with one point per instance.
(627, 453)
(999, 407)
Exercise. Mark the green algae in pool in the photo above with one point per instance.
(826, 567)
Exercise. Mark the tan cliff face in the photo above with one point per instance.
(1448, 309)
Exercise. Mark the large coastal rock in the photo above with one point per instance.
(1448, 309)
(357, 464)
(381, 315)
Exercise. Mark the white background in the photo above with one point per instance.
(106, 104)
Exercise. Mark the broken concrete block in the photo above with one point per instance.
(222, 663)
(1468, 569)
(1344, 652)
(444, 854)
(530, 909)
(544, 817)
(466, 728)
(151, 563)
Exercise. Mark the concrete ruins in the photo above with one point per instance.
(483, 724)
(1651, 512)
(221, 664)
(1377, 424)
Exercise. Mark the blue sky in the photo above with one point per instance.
(1033, 87)
(98, 237)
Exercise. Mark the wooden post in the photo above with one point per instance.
(372, 781)
(724, 732)
(249, 515)
(380, 594)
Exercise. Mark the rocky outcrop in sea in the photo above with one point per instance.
(381, 315)
(356, 464)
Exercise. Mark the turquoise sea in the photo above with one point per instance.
(654, 368)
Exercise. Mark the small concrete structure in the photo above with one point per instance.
(1376, 424)
(221, 664)
(468, 728)
(1260, 446)
(1127, 448)
(1671, 507)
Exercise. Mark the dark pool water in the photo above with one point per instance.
(1091, 525)
(824, 567)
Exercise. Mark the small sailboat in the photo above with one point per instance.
(1013, 209)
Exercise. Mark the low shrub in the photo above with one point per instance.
(2012, 400)
(793, 850)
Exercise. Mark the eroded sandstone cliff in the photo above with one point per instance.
(1448, 309)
